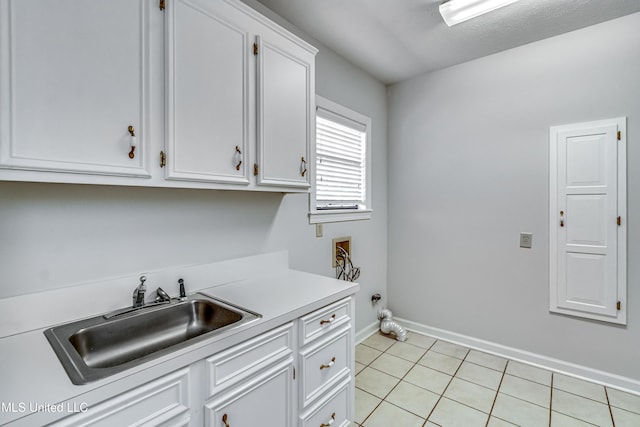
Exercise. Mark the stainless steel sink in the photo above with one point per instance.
(101, 346)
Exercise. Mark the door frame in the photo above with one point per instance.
(621, 200)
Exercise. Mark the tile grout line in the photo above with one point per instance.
(448, 384)
(551, 400)
(402, 378)
(504, 372)
(430, 348)
(367, 366)
(606, 394)
(427, 349)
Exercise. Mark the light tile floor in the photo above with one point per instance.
(428, 382)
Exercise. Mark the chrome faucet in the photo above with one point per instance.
(138, 293)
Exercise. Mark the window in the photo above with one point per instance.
(342, 183)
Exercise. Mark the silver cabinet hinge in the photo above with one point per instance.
(294, 373)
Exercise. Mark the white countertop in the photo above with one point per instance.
(30, 371)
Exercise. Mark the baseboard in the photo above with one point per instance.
(560, 366)
(369, 330)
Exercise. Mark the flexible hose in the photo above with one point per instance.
(390, 326)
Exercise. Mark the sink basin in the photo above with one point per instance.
(101, 346)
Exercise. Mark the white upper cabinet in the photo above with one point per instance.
(240, 96)
(207, 89)
(73, 78)
(211, 93)
(285, 110)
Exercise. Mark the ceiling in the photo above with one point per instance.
(397, 39)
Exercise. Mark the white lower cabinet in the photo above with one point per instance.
(332, 410)
(163, 402)
(252, 383)
(326, 359)
(265, 400)
(298, 374)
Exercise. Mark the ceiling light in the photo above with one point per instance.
(456, 11)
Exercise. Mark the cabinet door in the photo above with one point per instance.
(162, 402)
(264, 401)
(73, 78)
(286, 117)
(207, 87)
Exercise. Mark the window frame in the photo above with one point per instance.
(338, 215)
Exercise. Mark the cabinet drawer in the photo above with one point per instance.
(324, 364)
(325, 320)
(248, 358)
(161, 402)
(333, 411)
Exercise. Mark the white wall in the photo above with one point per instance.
(468, 170)
(56, 235)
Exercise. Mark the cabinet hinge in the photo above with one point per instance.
(618, 305)
(619, 135)
(255, 169)
(255, 48)
(619, 221)
(163, 159)
(294, 373)
(162, 5)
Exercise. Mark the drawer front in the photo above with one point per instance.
(322, 365)
(334, 411)
(324, 321)
(248, 358)
(161, 402)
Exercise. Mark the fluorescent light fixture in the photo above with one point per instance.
(456, 11)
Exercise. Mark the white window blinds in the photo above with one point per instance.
(340, 161)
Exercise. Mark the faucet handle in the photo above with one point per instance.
(162, 296)
(183, 293)
(142, 286)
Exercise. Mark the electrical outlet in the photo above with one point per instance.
(319, 230)
(526, 239)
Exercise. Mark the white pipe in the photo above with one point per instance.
(390, 326)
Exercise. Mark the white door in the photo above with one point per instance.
(286, 74)
(207, 84)
(587, 243)
(74, 77)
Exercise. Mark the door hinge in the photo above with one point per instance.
(162, 5)
(619, 135)
(255, 169)
(618, 305)
(255, 48)
(163, 159)
(619, 221)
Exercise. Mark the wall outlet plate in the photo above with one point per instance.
(526, 240)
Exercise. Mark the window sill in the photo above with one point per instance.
(316, 217)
